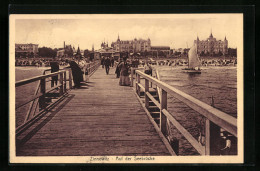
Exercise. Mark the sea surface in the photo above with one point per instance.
(25, 92)
(217, 83)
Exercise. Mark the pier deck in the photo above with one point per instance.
(101, 118)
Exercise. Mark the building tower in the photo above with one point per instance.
(92, 47)
(78, 54)
(225, 50)
(64, 45)
(118, 39)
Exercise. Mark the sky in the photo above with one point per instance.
(174, 30)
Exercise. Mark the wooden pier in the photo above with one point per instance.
(103, 118)
(100, 118)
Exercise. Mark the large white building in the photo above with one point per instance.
(26, 49)
(211, 46)
(131, 46)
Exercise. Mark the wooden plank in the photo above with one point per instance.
(163, 118)
(207, 137)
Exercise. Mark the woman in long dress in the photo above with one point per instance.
(117, 72)
(76, 73)
(124, 75)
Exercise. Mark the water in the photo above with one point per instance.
(217, 82)
(25, 92)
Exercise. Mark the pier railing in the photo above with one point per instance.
(40, 98)
(212, 115)
(44, 93)
(91, 67)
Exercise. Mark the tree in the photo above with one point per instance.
(46, 52)
(86, 53)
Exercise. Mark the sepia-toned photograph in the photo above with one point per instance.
(126, 88)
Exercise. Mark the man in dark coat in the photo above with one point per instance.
(76, 73)
(102, 61)
(118, 69)
(107, 64)
(54, 68)
(112, 62)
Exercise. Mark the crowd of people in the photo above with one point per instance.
(122, 69)
(39, 62)
(123, 66)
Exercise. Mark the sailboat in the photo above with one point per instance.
(194, 62)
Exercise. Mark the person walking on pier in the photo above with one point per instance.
(148, 69)
(112, 62)
(76, 73)
(102, 61)
(118, 69)
(54, 68)
(107, 64)
(124, 75)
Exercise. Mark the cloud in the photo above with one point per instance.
(175, 31)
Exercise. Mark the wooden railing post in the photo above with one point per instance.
(152, 82)
(61, 82)
(163, 118)
(146, 91)
(84, 74)
(207, 137)
(65, 82)
(137, 82)
(42, 97)
(70, 79)
(132, 77)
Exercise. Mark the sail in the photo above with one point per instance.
(193, 58)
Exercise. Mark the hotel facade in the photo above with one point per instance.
(132, 46)
(211, 46)
(137, 46)
(26, 49)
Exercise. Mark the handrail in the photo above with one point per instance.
(211, 114)
(37, 78)
(41, 91)
(226, 121)
(157, 76)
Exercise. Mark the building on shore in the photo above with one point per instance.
(132, 46)
(66, 51)
(26, 50)
(139, 46)
(232, 52)
(106, 52)
(161, 49)
(211, 46)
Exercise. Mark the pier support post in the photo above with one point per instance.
(137, 86)
(207, 137)
(146, 91)
(214, 139)
(65, 82)
(132, 77)
(70, 79)
(151, 76)
(163, 118)
(61, 84)
(42, 97)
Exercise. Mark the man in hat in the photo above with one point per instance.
(54, 68)
(107, 64)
